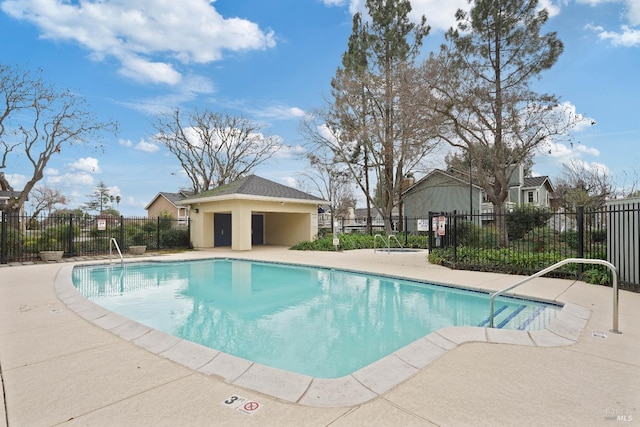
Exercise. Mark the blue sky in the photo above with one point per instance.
(272, 61)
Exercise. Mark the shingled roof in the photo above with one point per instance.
(254, 185)
(534, 181)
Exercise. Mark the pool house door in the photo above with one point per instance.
(221, 229)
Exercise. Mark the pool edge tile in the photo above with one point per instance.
(336, 393)
(225, 366)
(384, 374)
(275, 382)
(190, 354)
(463, 334)
(420, 353)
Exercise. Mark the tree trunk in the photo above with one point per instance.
(499, 213)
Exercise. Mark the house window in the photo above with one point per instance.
(530, 196)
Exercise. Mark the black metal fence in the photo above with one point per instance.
(536, 239)
(23, 238)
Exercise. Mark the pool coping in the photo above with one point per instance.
(359, 387)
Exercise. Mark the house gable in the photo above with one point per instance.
(440, 191)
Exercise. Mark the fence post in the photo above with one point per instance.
(189, 231)
(70, 238)
(430, 233)
(580, 238)
(3, 238)
(406, 231)
(452, 230)
(158, 234)
(122, 242)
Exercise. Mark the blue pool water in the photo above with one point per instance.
(319, 322)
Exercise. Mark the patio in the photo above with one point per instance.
(59, 369)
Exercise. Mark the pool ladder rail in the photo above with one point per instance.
(387, 242)
(113, 242)
(611, 267)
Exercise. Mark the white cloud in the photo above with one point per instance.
(290, 181)
(16, 180)
(85, 164)
(147, 147)
(626, 37)
(126, 142)
(628, 34)
(70, 179)
(149, 38)
(278, 112)
(587, 150)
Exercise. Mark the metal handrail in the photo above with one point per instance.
(388, 241)
(611, 267)
(396, 239)
(113, 242)
(381, 238)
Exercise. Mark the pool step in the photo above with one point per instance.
(517, 317)
(511, 316)
(531, 318)
(486, 321)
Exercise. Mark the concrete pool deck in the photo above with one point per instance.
(57, 367)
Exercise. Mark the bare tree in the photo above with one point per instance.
(38, 121)
(331, 181)
(214, 148)
(45, 198)
(484, 93)
(371, 122)
(581, 185)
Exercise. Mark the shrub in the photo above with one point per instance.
(175, 237)
(598, 275)
(525, 218)
(570, 237)
(598, 236)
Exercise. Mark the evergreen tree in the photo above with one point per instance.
(485, 96)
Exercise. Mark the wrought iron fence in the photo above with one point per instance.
(536, 239)
(23, 238)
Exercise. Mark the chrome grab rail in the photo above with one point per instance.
(396, 239)
(381, 238)
(387, 242)
(113, 242)
(611, 267)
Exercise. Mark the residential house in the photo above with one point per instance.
(252, 211)
(5, 196)
(167, 203)
(534, 190)
(446, 191)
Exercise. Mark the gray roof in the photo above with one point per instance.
(254, 185)
(175, 197)
(534, 181)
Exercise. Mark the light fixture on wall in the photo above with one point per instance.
(196, 210)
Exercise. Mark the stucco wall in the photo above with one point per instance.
(286, 222)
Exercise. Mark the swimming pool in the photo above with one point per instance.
(315, 321)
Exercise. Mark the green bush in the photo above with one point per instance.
(570, 237)
(597, 275)
(175, 238)
(525, 218)
(598, 236)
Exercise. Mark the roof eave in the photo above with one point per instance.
(200, 200)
